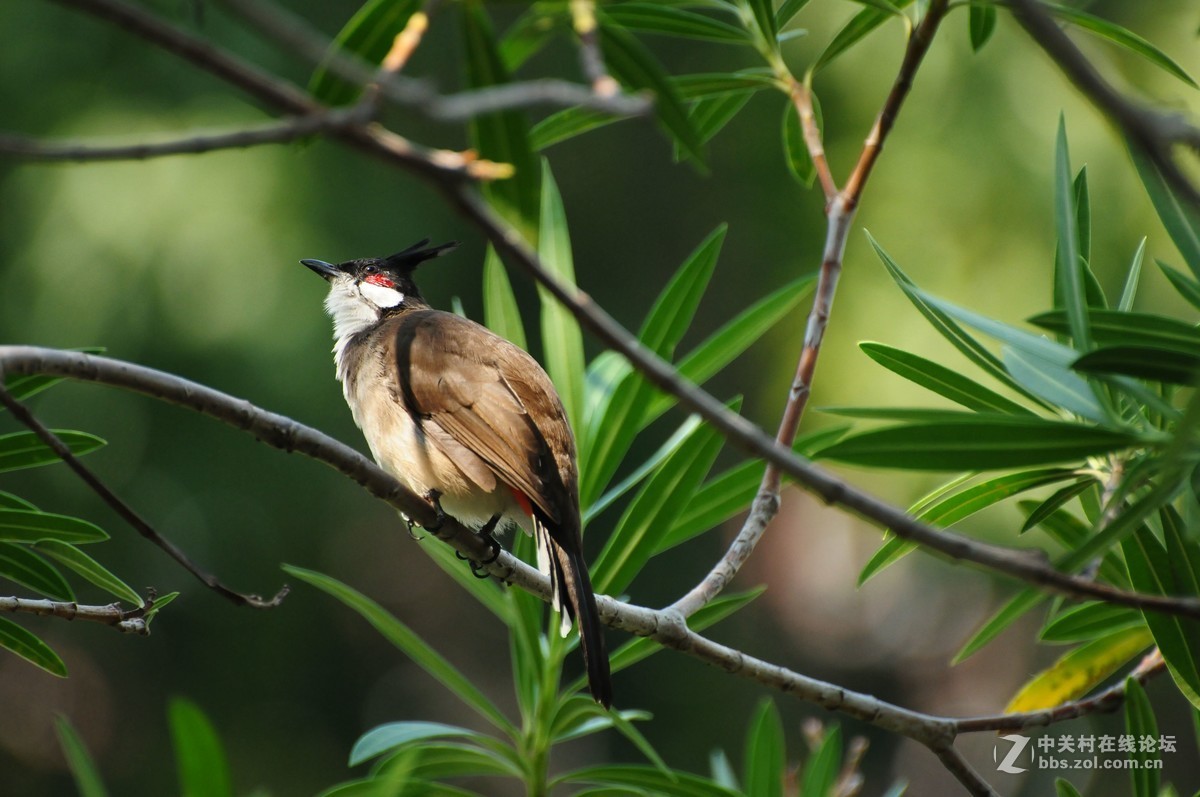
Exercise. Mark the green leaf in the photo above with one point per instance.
(764, 762)
(502, 136)
(17, 640)
(199, 754)
(1143, 362)
(1090, 620)
(1063, 788)
(863, 23)
(1170, 569)
(731, 340)
(957, 507)
(19, 564)
(1111, 327)
(369, 35)
(713, 84)
(796, 154)
(1077, 672)
(1187, 287)
(965, 441)
(1083, 232)
(1133, 276)
(981, 24)
(1002, 618)
(1069, 273)
(823, 767)
(531, 32)
(1055, 502)
(787, 12)
(673, 21)
(725, 495)
(645, 469)
(89, 568)
(408, 642)
(944, 381)
(1122, 37)
(648, 779)
(1055, 383)
(1140, 724)
(709, 115)
(22, 525)
(20, 450)
(1178, 216)
(10, 501)
(562, 341)
(615, 425)
(763, 14)
(484, 590)
(385, 738)
(566, 124)
(945, 325)
(722, 770)
(500, 312)
(83, 769)
(653, 511)
(425, 760)
(636, 68)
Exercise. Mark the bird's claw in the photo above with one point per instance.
(433, 497)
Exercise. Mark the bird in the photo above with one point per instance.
(466, 419)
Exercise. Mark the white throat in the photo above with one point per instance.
(355, 307)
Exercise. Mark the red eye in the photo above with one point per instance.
(381, 280)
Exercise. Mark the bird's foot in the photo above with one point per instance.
(478, 569)
(411, 524)
(433, 497)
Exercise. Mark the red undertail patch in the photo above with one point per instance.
(522, 501)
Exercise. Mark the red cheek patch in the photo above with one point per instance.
(380, 280)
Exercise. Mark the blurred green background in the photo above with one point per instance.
(189, 264)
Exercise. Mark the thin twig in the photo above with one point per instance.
(963, 772)
(1154, 132)
(111, 615)
(127, 513)
(840, 210)
(591, 59)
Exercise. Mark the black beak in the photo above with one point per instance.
(326, 270)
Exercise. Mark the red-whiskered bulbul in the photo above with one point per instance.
(465, 418)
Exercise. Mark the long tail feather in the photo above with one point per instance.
(567, 569)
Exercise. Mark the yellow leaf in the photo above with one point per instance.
(1073, 675)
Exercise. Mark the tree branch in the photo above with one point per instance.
(1154, 132)
(127, 622)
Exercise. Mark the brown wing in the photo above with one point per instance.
(485, 392)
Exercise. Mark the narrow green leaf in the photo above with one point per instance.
(713, 84)
(823, 767)
(385, 738)
(1132, 278)
(22, 525)
(981, 24)
(731, 492)
(762, 13)
(1179, 217)
(1113, 327)
(89, 568)
(1122, 37)
(944, 381)
(484, 590)
(20, 450)
(1063, 788)
(945, 325)
(796, 154)
(615, 425)
(1055, 502)
(977, 442)
(408, 642)
(644, 780)
(1069, 276)
(17, 640)
(1077, 672)
(722, 770)
(958, 506)
(653, 511)
(83, 769)
(636, 68)
(369, 35)
(562, 341)
(1090, 620)
(764, 762)
(709, 115)
(651, 465)
(426, 760)
(731, 340)
(10, 501)
(1140, 724)
(1002, 618)
(863, 23)
(502, 136)
(500, 311)
(787, 12)
(1083, 228)
(622, 721)
(531, 32)
(1143, 362)
(1187, 287)
(673, 21)
(1055, 383)
(199, 754)
(19, 564)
